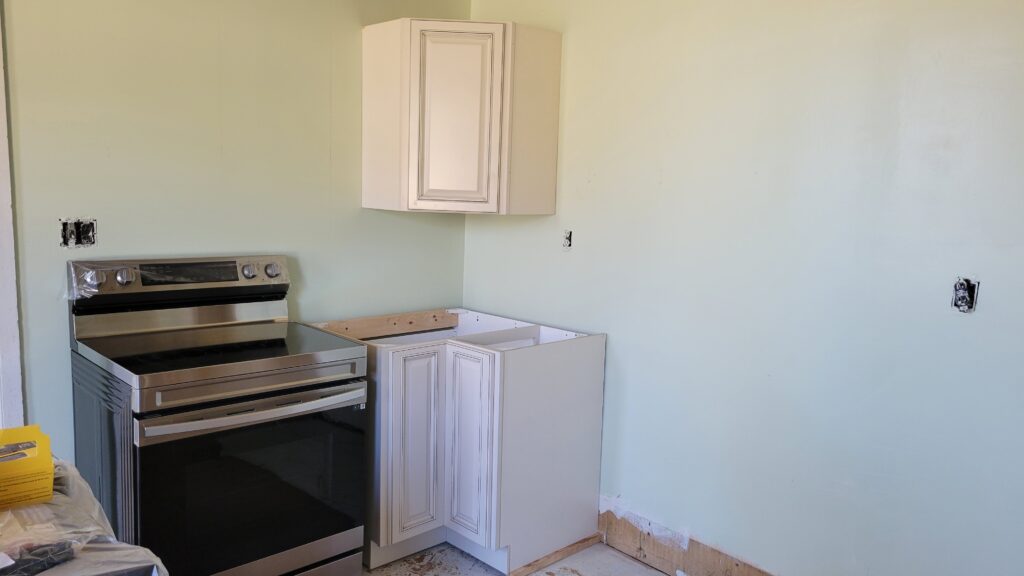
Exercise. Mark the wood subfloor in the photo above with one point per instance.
(444, 560)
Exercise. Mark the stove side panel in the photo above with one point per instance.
(104, 450)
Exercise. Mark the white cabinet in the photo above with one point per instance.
(488, 437)
(460, 117)
(469, 437)
(416, 458)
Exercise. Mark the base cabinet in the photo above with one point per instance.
(473, 444)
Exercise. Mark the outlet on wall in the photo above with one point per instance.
(965, 294)
(77, 232)
(567, 240)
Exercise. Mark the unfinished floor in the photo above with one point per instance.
(444, 560)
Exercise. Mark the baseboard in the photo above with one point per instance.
(667, 551)
(557, 556)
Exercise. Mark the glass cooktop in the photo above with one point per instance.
(222, 350)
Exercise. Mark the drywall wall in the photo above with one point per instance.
(11, 398)
(770, 203)
(200, 127)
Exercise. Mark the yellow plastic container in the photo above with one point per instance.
(26, 466)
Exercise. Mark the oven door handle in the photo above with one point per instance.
(149, 433)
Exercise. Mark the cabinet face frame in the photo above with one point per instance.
(406, 523)
(474, 394)
(427, 40)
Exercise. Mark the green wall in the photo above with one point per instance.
(203, 127)
(771, 202)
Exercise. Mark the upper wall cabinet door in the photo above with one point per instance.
(455, 115)
(460, 117)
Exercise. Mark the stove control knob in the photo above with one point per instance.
(125, 276)
(249, 271)
(94, 278)
(273, 270)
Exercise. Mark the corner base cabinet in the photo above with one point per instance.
(488, 437)
(460, 116)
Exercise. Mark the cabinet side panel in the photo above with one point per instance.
(382, 115)
(552, 407)
(533, 142)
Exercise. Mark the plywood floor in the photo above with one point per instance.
(598, 560)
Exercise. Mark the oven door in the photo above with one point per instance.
(261, 487)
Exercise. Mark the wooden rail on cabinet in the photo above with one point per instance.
(391, 325)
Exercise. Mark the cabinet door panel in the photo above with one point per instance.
(455, 115)
(469, 439)
(417, 430)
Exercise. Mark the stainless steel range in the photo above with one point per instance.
(214, 431)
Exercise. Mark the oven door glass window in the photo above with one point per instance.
(223, 499)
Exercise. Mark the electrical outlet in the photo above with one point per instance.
(77, 232)
(965, 294)
(567, 240)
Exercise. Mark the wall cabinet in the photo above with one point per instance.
(488, 437)
(460, 117)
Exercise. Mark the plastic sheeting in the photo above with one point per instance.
(68, 535)
(85, 279)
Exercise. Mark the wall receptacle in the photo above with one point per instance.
(567, 240)
(77, 232)
(965, 294)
